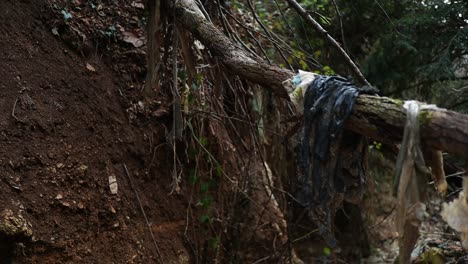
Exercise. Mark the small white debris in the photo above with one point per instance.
(113, 184)
(137, 5)
(90, 67)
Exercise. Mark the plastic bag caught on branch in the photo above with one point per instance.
(322, 181)
(411, 178)
(300, 83)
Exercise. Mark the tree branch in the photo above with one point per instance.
(324, 34)
(231, 55)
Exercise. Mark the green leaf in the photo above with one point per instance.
(204, 187)
(191, 99)
(199, 78)
(193, 178)
(303, 64)
(219, 170)
(204, 219)
(203, 141)
(214, 242)
(182, 75)
(205, 201)
(327, 70)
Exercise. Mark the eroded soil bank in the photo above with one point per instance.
(64, 129)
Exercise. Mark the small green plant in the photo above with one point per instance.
(377, 145)
(214, 242)
(219, 170)
(205, 201)
(193, 177)
(205, 219)
(327, 70)
(326, 251)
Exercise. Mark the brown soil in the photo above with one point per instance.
(64, 130)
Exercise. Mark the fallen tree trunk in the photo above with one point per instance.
(383, 119)
(380, 118)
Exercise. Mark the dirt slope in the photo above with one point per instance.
(63, 132)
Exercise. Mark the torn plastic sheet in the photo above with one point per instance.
(328, 102)
(300, 84)
(412, 176)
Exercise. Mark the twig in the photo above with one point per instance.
(325, 35)
(153, 56)
(305, 236)
(384, 218)
(262, 260)
(13, 112)
(177, 114)
(143, 212)
(267, 32)
(203, 10)
(236, 37)
(465, 182)
(293, 33)
(276, 40)
(154, 155)
(246, 195)
(223, 19)
(340, 17)
(390, 20)
(457, 174)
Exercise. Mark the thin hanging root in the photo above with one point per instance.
(144, 213)
(411, 174)
(435, 160)
(152, 78)
(465, 181)
(279, 223)
(13, 111)
(189, 58)
(177, 125)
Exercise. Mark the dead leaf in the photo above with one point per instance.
(137, 5)
(455, 213)
(133, 39)
(199, 45)
(90, 67)
(433, 255)
(55, 31)
(160, 112)
(83, 168)
(112, 209)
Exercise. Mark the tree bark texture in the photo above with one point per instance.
(379, 118)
